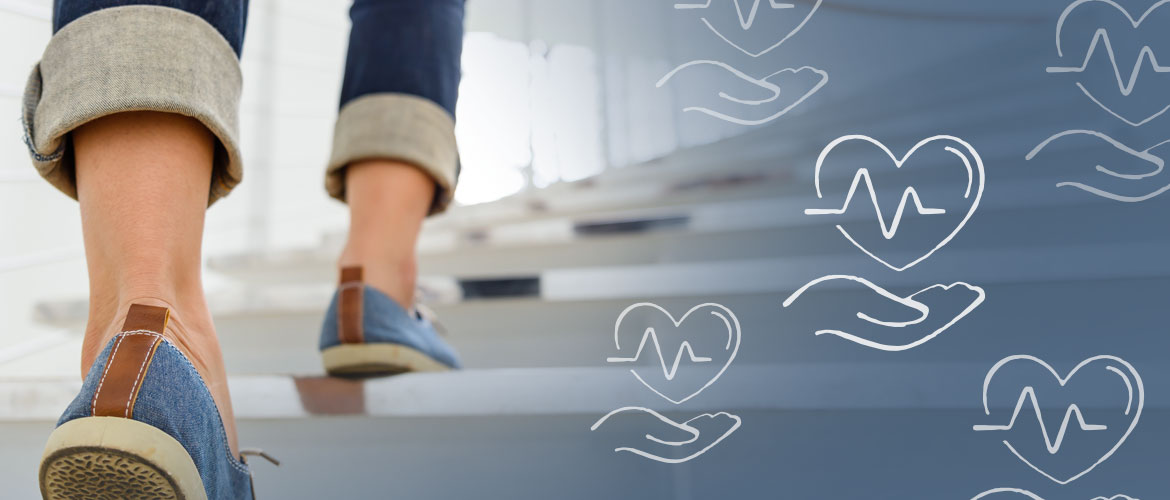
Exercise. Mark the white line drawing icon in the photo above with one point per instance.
(908, 301)
(1101, 39)
(668, 372)
(731, 346)
(1126, 87)
(1053, 445)
(1034, 496)
(997, 491)
(689, 427)
(907, 196)
(975, 181)
(765, 83)
(1159, 165)
(746, 21)
(1133, 383)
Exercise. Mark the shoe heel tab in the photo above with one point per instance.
(146, 318)
(129, 360)
(351, 274)
(349, 307)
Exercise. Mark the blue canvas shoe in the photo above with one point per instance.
(143, 426)
(366, 333)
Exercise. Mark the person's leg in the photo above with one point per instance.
(400, 87)
(394, 162)
(388, 201)
(133, 111)
(142, 180)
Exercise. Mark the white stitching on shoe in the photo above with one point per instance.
(110, 361)
(145, 361)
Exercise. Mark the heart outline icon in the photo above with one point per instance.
(909, 193)
(733, 331)
(1102, 36)
(1136, 381)
(746, 22)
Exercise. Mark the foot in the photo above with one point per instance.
(144, 425)
(189, 329)
(367, 333)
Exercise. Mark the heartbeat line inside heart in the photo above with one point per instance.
(747, 21)
(1029, 395)
(668, 372)
(909, 195)
(1101, 39)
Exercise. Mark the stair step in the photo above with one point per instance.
(281, 337)
(741, 276)
(573, 391)
(556, 456)
(1015, 213)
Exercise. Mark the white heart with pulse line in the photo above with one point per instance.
(975, 182)
(1101, 41)
(1133, 384)
(731, 346)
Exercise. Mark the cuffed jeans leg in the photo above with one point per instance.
(104, 61)
(399, 92)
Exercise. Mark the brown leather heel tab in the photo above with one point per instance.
(349, 306)
(129, 360)
(148, 318)
(351, 274)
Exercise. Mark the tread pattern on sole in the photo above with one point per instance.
(104, 474)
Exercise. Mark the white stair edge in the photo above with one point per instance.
(586, 391)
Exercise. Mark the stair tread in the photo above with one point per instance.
(739, 276)
(566, 391)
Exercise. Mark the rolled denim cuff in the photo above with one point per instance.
(398, 127)
(133, 58)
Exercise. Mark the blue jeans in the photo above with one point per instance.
(398, 95)
(401, 46)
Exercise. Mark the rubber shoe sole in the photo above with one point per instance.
(100, 458)
(372, 360)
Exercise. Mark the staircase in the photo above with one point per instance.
(529, 288)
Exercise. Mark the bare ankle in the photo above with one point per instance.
(190, 327)
(388, 201)
(394, 277)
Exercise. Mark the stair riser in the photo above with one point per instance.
(558, 457)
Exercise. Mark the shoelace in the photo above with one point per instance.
(429, 315)
(256, 452)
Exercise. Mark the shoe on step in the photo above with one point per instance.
(366, 333)
(143, 426)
